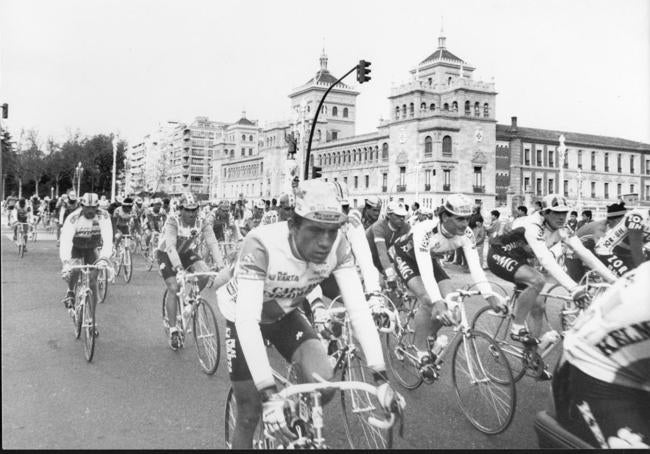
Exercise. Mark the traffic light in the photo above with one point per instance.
(5, 111)
(316, 172)
(363, 71)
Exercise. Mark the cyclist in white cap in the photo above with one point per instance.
(277, 266)
(534, 236)
(370, 212)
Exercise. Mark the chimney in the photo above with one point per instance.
(513, 124)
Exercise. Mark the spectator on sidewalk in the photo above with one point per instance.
(586, 218)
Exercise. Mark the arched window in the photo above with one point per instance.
(430, 80)
(345, 112)
(467, 111)
(486, 110)
(232, 153)
(384, 152)
(403, 110)
(454, 106)
(318, 134)
(338, 158)
(477, 109)
(377, 153)
(243, 137)
(250, 138)
(365, 154)
(432, 107)
(396, 112)
(423, 106)
(446, 146)
(411, 110)
(449, 81)
(446, 107)
(428, 147)
(320, 159)
(335, 111)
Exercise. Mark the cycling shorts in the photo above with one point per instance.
(613, 406)
(407, 267)
(123, 229)
(165, 265)
(88, 255)
(287, 334)
(503, 265)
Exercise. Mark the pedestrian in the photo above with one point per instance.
(572, 222)
(586, 219)
(478, 229)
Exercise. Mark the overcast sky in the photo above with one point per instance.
(126, 65)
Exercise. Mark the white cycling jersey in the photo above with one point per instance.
(83, 233)
(635, 220)
(610, 341)
(268, 281)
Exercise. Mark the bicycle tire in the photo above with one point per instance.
(128, 266)
(118, 262)
(230, 421)
(102, 286)
(357, 406)
(208, 340)
(402, 368)
(89, 326)
(77, 314)
(149, 257)
(501, 393)
(554, 312)
(497, 326)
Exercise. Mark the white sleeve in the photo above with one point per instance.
(362, 323)
(592, 262)
(106, 228)
(474, 265)
(361, 250)
(67, 234)
(533, 235)
(424, 261)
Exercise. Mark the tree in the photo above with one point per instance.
(9, 160)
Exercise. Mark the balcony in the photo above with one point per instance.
(427, 187)
(384, 189)
(479, 189)
(446, 187)
(401, 187)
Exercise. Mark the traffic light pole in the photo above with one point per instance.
(315, 120)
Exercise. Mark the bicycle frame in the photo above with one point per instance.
(191, 279)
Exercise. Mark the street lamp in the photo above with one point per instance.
(78, 171)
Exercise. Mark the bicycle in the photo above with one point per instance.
(21, 237)
(528, 358)
(122, 258)
(190, 305)
(305, 414)
(31, 233)
(149, 251)
(83, 311)
(480, 370)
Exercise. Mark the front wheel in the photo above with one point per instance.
(358, 406)
(231, 423)
(485, 389)
(128, 265)
(89, 326)
(77, 314)
(102, 285)
(206, 337)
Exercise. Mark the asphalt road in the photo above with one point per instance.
(139, 394)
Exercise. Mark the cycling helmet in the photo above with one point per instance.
(72, 196)
(458, 205)
(157, 201)
(188, 202)
(89, 199)
(396, 208)
(317, 201)
(342, 192)
(128, 202)
(260, 204)
(555, 202)
(373, 201)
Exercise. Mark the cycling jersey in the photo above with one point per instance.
(79, 232)
(426, 240)
(179, 239)
(270, 217)
(610, 341)
(122, 218)
(268, 263)
(66, 209)
(22, 214)
(155, 220)
(221, 222)
(382, 232)
(615, 240)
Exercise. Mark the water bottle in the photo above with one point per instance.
(547, 341)
(439, 345)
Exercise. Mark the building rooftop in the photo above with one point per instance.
(442, 54)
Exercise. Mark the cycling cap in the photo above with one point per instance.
(287, 199)
(157, 201)
(396, 208)
(71, 195)
(127, 202)
(555, 202)
(260, 204)
(188, 202)
(342, 192)
(458, 205)
(89, 199)
(373, 201)
(317, 201)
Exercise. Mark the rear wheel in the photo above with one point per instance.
(206, 337)
(128, 265)
(77, 313)
(89, 326)
(118, 260)
(102, 285)
(485, 389)
(400, 348)
(231, 422)
(358, 406)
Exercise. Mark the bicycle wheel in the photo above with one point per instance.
(358, 406)
(400, 349)
(128, 266)
(231, 422)
(487, 403)
(559, 313)
(117, 261)
(21, 250)
(102, 285)
(206, 337)
(497, 326)
(150, 257)
(77, 313)
(89, 326)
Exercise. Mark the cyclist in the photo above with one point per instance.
(222, 221)
(621, 247)
(68, 204)
(21, 213)
(177, 251)
(138, 211)
(154, 221)
(36, 213)
(533, 236)
(123, 216)
(278, 265)
(602, 385)
(287, 204)
(370, 212)
(381, 236)
(415, 256)
(253, 221)
(84, 231)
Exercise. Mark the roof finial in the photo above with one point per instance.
(243, 113)
(441, 38)
(323, 58)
